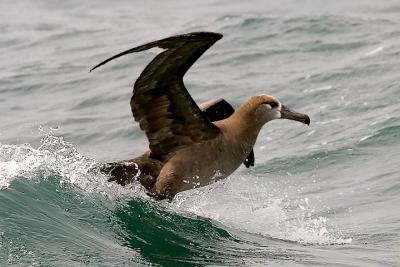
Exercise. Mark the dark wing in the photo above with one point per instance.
(219, 109)
(249, 161)
(160, 101)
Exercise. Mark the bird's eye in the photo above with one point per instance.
(273, 104)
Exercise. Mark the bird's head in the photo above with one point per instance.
(267, 108)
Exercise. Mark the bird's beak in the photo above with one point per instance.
(286, 113)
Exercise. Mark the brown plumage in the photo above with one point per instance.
(189, 146)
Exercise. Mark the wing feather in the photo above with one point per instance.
(161, 103)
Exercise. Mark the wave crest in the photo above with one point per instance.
(56, 157)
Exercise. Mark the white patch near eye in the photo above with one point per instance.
(278, 114)
(279, 110)
(266, 113)
(275, 112)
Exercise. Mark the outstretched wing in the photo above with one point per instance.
(160, 102)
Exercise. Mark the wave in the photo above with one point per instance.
(52, 191)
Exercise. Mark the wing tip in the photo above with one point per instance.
(212, 35)
(98, 65)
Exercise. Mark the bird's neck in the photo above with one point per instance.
(244, 126)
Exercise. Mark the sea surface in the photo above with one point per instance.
(323, 195)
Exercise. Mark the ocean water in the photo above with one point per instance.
(323, 195)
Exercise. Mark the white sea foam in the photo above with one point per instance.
(374, 51)
(365, 138)
(56, 157)
(259, 210)
(318, 89)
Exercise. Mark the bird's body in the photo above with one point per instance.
(207, 161)
(190, 146)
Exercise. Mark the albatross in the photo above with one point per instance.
(189, 145)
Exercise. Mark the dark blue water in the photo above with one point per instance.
(324, 195)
